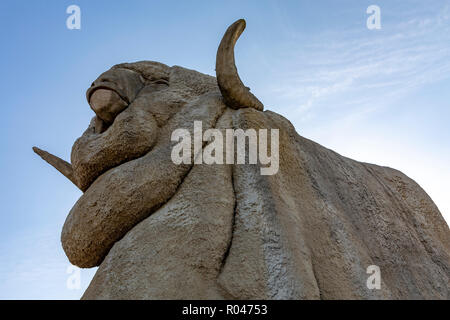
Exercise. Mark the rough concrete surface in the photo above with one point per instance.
(158, 230)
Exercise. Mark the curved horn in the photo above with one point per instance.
(59, 164)
(234, 92)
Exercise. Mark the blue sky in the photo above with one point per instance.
(379, 96)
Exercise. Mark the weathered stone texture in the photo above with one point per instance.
(158, 230)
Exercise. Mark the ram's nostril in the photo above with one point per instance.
(106, 79)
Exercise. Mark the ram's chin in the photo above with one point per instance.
(107, 104)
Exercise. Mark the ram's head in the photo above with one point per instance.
(122, 161)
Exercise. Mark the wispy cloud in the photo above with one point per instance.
(362, 68)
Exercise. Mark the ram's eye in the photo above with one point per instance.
(162, 81)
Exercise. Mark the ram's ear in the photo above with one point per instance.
(235, 94)
(59, 164)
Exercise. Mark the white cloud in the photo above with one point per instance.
(395, 60)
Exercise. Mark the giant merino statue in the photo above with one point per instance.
(160, 230)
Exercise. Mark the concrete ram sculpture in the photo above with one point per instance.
(164, 230)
